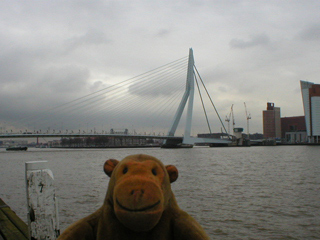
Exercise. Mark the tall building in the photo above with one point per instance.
(311, 105)
(272, 122)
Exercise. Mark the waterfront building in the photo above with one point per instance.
(7, 143)
(272, 122)
(311, 105)
(293, 129)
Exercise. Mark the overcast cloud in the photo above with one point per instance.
(246, 51)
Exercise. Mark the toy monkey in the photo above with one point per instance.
(139, 204)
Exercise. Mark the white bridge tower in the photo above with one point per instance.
(189, 96)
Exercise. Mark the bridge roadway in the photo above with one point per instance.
(75, 135)
(171, 140)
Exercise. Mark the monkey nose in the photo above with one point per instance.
(137, 193)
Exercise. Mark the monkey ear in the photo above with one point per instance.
(109, 166)
(173, 173)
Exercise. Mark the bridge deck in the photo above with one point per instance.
(190, 140)
(52, 135)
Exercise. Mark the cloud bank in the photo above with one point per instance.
(53, 52)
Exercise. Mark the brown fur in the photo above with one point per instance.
(139, 204)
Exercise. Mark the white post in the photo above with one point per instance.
(42, 204)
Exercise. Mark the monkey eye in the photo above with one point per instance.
(125, 170)
(154, 171)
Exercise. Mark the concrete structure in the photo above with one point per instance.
(43, 218)
(311, 104)
(188, 97)
(272, 122)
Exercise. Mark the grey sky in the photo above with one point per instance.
(246, 51)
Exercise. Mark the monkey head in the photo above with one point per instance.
(139, 190)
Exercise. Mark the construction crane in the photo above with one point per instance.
(228, 118)
(248, 116)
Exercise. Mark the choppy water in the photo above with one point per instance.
(235, 193)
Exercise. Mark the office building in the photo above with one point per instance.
(293, 129)
(311, 105)
(272, 122)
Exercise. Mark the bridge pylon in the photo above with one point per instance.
(188, 96)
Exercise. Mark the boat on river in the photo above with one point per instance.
(17, 148)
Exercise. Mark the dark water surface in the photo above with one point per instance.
(235, 193)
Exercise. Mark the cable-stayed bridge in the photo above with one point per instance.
(153, 100)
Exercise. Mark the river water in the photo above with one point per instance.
(235, 193)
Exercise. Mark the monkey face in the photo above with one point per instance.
(139, 190)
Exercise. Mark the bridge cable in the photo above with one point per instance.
(77, 101)
(211, 101)
(144, 92)
(95, 99)
(130, 104)
(151, 71)
(204, 109)
(114, 95)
